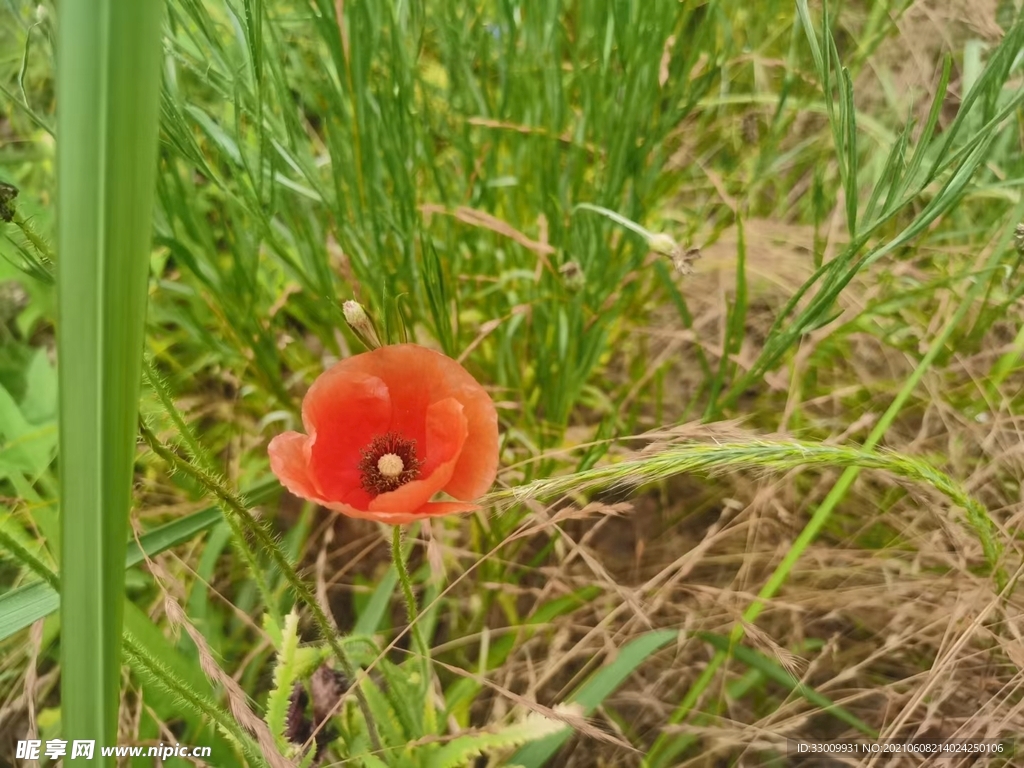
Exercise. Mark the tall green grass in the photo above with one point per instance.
(108, 86)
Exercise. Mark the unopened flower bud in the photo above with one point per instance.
(361, 323)
(662, 243)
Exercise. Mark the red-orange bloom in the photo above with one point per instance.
(388, 429)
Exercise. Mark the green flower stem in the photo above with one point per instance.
(34, 564)
(259, 532)
(418, 641)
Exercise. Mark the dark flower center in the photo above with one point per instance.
(388, 462)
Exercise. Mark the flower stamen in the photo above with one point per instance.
(390, 465)
(388, 462)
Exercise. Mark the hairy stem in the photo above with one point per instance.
(232, 503)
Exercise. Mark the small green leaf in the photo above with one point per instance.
(774, 672)
(371, 617)
(40, 403)
(24, 446)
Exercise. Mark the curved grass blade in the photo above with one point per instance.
(765, 455)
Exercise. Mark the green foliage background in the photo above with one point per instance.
(514, 183)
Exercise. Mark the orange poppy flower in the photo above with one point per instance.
(388, 429)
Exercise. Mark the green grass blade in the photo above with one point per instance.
(20, 607)
(373, 615)
(735, 328)
(771, 670)
(108, 85)
(927, 133)
(599, 687)
(848, 115)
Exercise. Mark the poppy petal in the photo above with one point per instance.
(343, 412)
(446, 432)
(431, 509)
(289, 460)
(392, 518)
(478, 465)
(412, 379)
